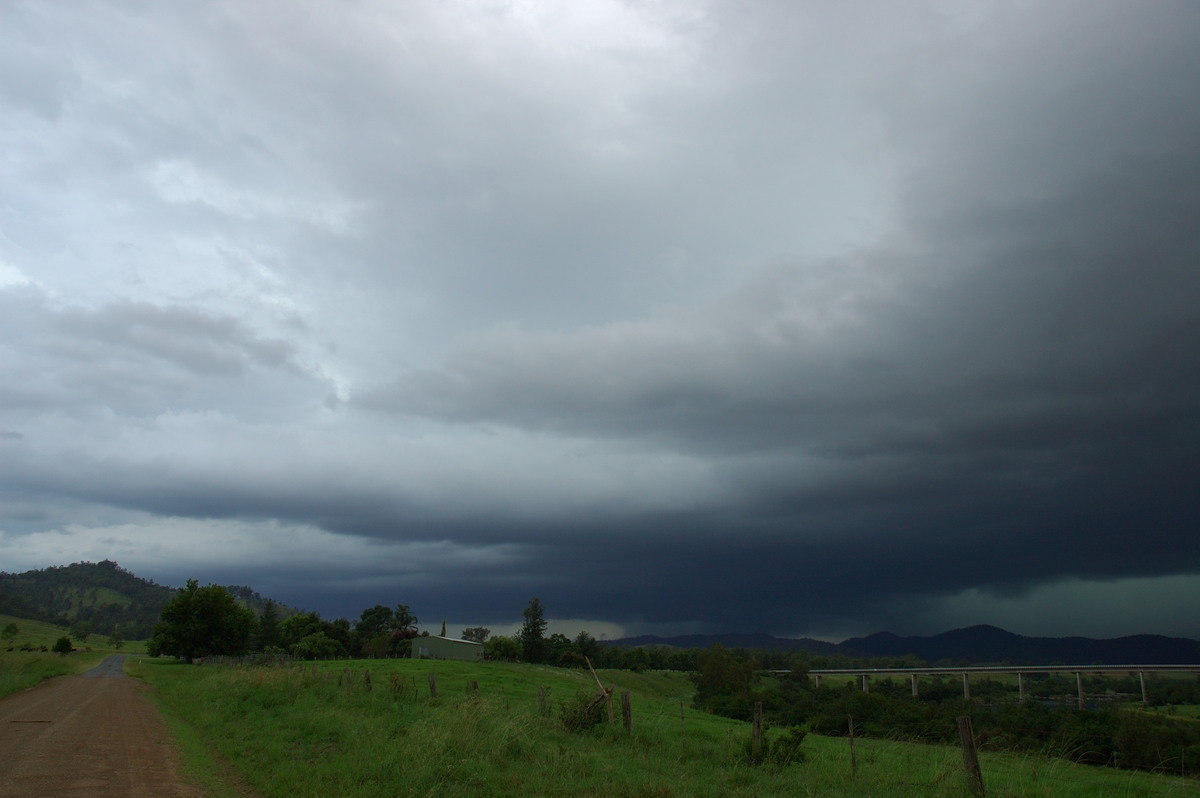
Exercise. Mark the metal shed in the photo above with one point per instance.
(446, 648)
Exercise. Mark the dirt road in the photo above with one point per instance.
(95, 735)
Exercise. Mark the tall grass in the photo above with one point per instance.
(21, 669)
(318, 731)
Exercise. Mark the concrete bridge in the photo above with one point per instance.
(1021, 671)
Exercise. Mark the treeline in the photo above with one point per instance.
(731, 685)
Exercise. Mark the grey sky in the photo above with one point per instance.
(810, 318)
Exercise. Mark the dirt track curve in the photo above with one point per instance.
(95, 735)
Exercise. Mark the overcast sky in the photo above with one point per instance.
(803, 317)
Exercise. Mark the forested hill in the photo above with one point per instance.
(98, 598)
(101, 598)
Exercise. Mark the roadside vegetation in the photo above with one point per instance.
(21, 669)
(329, 728)
(28, 653)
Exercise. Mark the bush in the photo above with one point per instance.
(582, 713)
(781, 752)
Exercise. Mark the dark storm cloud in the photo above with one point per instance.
(1001, 394)
(700, 316)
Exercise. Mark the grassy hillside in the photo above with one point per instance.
(321, 730)
(31, 633)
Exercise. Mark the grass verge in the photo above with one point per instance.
(330, 729)
(23, 669)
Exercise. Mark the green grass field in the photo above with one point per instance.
(39, 633)
(34, 633)
(318, 731)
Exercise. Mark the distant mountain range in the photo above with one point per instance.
(973, 645)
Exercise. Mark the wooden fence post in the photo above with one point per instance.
(970, 756)
(853, 754)
(367, 680)
(543, 710)
(432, 686)
(681, 716)
(627, 711)
(757, 731)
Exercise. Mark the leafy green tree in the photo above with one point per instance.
(406, 622)
(299, 626)
(318, 645)
(557, 645)
(268, 627)
(533, 633)
(382, 631)
(10, 633)
(476, 634)
(587, 646)
(506, 649)
(62, 646)
(720, 674)
(202, 621)
(378, 620)
(80, 630)
(115, 641)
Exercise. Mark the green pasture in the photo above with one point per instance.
(33, 633)
(40, 633)
(318, 730)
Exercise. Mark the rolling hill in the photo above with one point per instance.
(102, 598)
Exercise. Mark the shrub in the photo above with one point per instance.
(582, 713)
(781, 752)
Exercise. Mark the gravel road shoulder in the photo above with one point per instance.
(95, 735)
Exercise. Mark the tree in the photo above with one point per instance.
(10, 633)
(502, 648)
(720, 674)
(80, 630)
(202, 621)
(116, 641)
(62, 646)
(297, 627)
(476, 634)
(533, 633)
(318, 645)
(587, 646)
(268, 627)
(405, 621)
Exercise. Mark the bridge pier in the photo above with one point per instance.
(1142, 677)
(914, 685)
(866, 683)
(966, 688)
(1020, 687)
(1079, 690)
